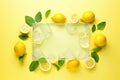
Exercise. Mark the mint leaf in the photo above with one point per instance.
(42, 60)
(96, 49)
(95, 56)
(61, 61)
(38, 17)
(93, 28)
(101, 25)
(29, 20)
(21, 58)
(57, 67)
(47, 13)
(33, 65)
(23, 36)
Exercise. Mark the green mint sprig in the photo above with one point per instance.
(99, 26)
(34, 64)
(47, 13)
(60, 63)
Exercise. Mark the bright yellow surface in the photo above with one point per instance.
(12, 14)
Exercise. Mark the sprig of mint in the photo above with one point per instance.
(61, 61)
(21, 58)
(23, 36)
(47, 13)
(94, 28)
(38, 17)
(33, 65)
(96, 49)
(42, 60)
(29, 20)
(100, 26)
(95, 56)
(57, 66)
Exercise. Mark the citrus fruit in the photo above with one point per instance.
(100, 40)
(73, 64)
(74, 18)
(88, 17)
(24, 29)
(59, 18)
(46, 66)
(19, 49)
(90, 63)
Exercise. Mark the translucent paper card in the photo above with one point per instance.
(54, 41)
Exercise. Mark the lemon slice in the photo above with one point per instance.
(74, 18)
(90, 63)
(45, 66)
(24, 29)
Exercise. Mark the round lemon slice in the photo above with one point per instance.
(45, 66)
(90, 63)
(74, 18)
(24, 29)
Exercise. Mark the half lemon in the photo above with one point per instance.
(24, 29)
(90, 63)
(46, 66)
(74, 18)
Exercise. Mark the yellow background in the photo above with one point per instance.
(12, 14)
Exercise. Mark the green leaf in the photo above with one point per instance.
(38, 17)
(93, 28)
(33, 65)
(29, 20)
(47, 13)
(61, 61)
(57, 67)
(96, 49)
(21, 58)
(101, 25)
(23, 36)
(42, 60)
(95, 56)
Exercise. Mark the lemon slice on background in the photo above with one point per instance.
(24, 29)
(90, 63)
(46, 66)
(74, 18)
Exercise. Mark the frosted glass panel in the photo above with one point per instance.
(54, 41)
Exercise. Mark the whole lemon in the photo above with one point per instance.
(100, 40)
(19, 49)
(88, 17)
(73, 64)
(59, 18)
